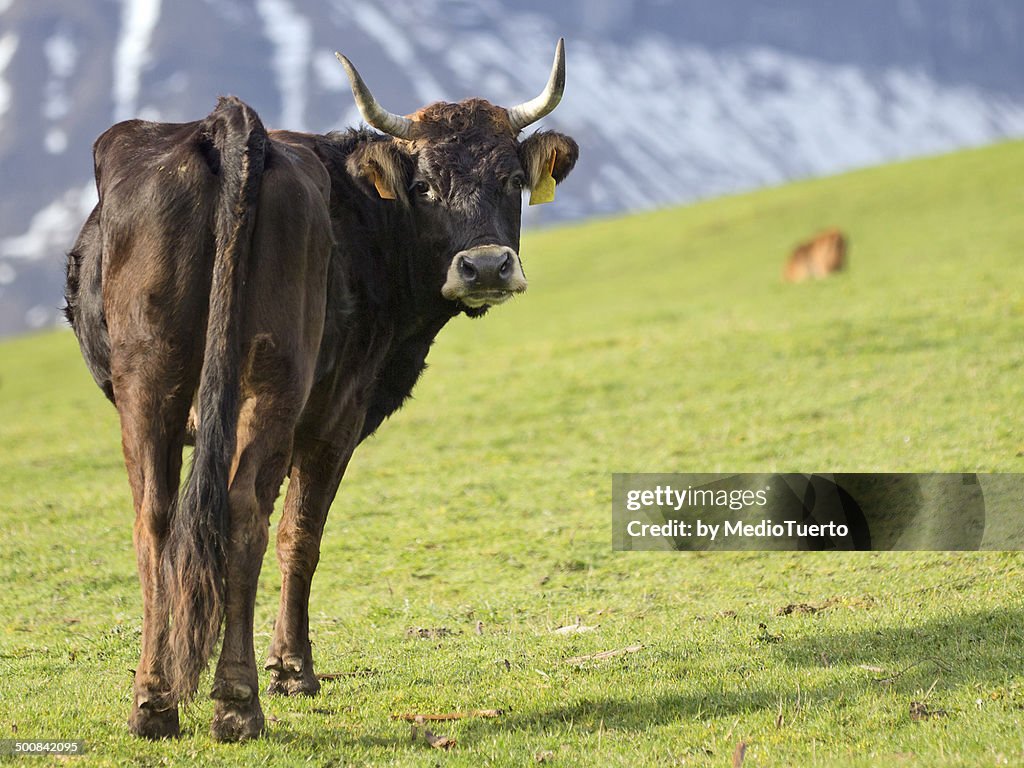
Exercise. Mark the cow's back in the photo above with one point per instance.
(146, 249)
(158, 190)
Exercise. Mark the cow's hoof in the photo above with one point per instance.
(293, 684)
(237, 715)
(291, 676)
(150, 723)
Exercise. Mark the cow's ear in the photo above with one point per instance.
(547, 157)
(381, 168)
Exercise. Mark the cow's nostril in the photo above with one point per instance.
(467, 269)
(505, 270)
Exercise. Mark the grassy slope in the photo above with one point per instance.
(661, 342)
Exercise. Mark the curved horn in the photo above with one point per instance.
(531, 111)
(372, 112)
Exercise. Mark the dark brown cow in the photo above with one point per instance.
(819, 257)
(290, 285)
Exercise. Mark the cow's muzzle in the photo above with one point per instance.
(485, 275)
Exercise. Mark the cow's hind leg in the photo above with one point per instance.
(266, 423)
(153, 416)
(314, 481)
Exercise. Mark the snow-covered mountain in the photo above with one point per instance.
(670, 101)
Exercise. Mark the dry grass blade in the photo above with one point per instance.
(738, 754)
(412, 717)
(576, 627)
(604, 654)
(930, 659)
(439, 742)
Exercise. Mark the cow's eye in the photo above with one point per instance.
(420, 188)
(517, 182)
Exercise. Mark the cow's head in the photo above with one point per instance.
(461, 170)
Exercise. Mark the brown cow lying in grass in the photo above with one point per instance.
(818, 257)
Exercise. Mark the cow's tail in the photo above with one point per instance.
(195, 555)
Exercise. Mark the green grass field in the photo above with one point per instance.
(661, 342)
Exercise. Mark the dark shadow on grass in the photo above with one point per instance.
(330, 738)
(980, 647)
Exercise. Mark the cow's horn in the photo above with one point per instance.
(531, 111)
(372, 112)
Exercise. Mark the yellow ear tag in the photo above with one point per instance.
(544, 190)
(382, 189)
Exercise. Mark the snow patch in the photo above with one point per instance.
(53, 228)
(8, 45)
(57, 104)
(745, 117)
(39, 316)
(291, 34)
(138, 20)
(395, 44)
(330, 75)
(56, 141)
(61, 56)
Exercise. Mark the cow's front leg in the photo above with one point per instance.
(315, 476)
